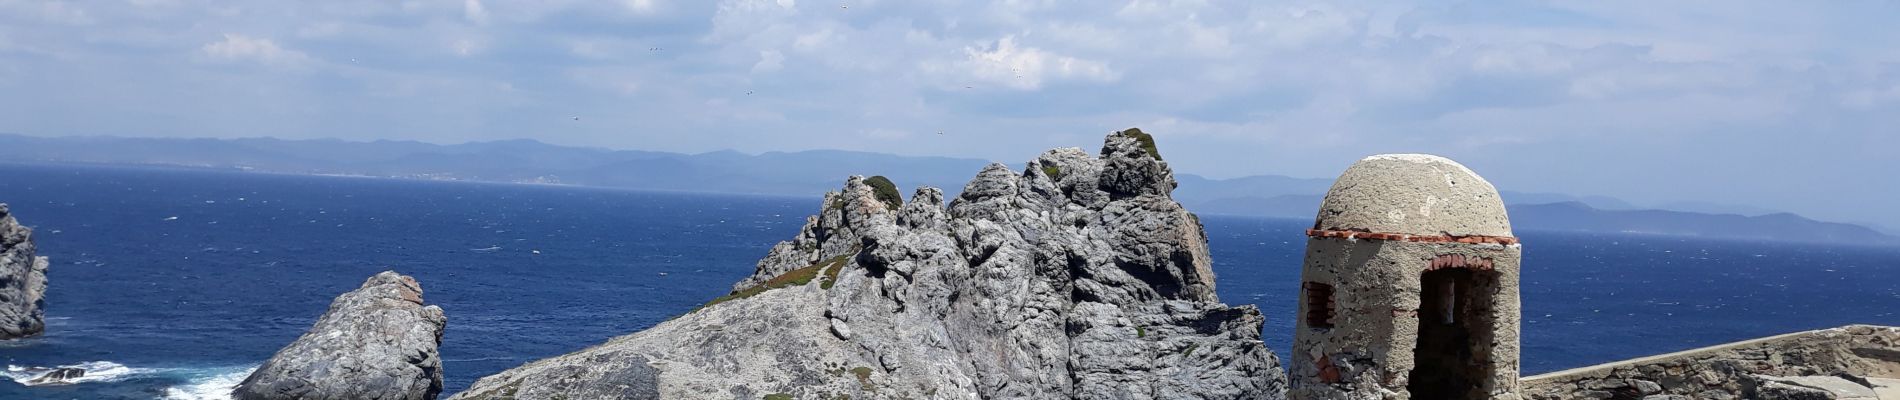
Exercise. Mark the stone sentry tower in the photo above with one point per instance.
(1409, 290)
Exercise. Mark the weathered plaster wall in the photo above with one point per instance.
(1858, 361)
(1414, 194)
(1369, 351)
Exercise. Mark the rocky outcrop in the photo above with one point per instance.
(22, 280)
(1852, 362)
(1078, 277)
(57, 376)
(376, 342)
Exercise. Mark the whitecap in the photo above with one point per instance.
(215, 384)
(96, 371)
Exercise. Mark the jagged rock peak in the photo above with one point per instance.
(22, 280)
(376, 342)
(1134, 166)
(1074, 278)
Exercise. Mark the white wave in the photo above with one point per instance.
(215, 386)
(96, 371)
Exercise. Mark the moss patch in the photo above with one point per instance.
(1054, 172)
(1147, 142)
(1190, 349)
(794, 277)
(864, 377)
(831, 268)
(1141, 332)
(505, 392)
(778, 396)
(885, 191)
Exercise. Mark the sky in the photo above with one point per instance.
(1783, 105)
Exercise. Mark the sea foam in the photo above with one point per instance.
(96, 371)
(216, 384)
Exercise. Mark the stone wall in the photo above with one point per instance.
(1852, 362)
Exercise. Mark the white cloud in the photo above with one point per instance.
(238, 47)
(769, 61)
(1007, 63)
(465, 47)
(640, 6)
(475, 12)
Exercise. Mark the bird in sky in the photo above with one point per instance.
(577, 118)
(748, 92)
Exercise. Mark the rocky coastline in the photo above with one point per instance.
(1076, 276)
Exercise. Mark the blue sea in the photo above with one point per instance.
(174, 283)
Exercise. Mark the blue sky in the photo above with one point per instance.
(1792, 106)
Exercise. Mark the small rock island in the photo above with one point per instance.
(376, 342)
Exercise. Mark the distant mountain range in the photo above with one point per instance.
(811, 173)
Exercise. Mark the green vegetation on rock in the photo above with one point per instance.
(864, 377)
(1147, 142)
(1054, 172)
(831, 268)
(778, 396)
(885, 191)
(794, 277)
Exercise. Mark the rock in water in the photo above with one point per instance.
(22, 281)
(376, 342)
(57, 376)
(1077, 278)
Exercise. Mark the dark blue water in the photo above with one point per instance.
(182, 307)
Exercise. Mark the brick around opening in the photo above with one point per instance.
(1319, 305)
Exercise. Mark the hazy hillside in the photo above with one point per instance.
(1577, 216)
(1574, 216)
(810, 173)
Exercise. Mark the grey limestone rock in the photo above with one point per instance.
(1075, 278)
(376, 342)
(22, 280)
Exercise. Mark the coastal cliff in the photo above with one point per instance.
(22, 280)
(376, 342)
(1077, 277)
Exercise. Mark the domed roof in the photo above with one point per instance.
(1414, 194)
